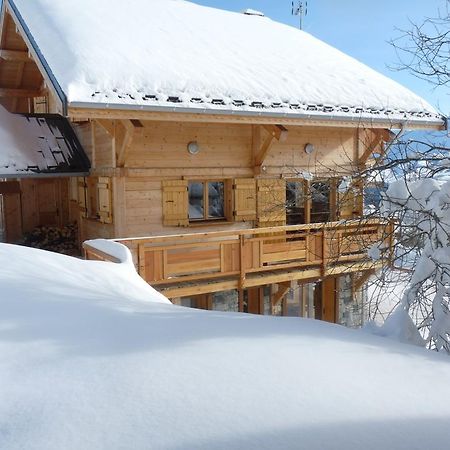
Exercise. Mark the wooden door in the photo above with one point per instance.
(48, 203)
(255, 300)
(12, 214)
(325, 300)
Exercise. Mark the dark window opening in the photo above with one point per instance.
(206, 200)
(320, 202)
(295, 203)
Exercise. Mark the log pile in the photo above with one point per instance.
(60, 240)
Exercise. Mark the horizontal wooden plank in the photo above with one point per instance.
(15, 55)
(24, 93)
(205, 265)
(283, 256)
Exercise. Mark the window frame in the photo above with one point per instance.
(226, 199)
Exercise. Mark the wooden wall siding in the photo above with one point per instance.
(45, 202)
(13, 217)
(102, 147)
(164, 144)
(83, 131)
(93, 229)
(142, 202)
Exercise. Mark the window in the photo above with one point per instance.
(295, 202)
(206, 200)
(320, 201)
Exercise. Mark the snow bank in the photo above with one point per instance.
(174, 53)
(115, 249)
(92, 359)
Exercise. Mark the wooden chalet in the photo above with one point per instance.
(228, 165)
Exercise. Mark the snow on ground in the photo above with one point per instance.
(173, 53)
(92, 358)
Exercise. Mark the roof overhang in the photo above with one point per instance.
(51, 82)
(80, 111)
(40, 145)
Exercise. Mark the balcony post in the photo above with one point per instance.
(242, 261)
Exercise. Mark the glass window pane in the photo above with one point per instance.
(216, 196)
(320, 202)
(196, 206)
(295, 203)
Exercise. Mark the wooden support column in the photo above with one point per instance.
(329, 300)
(308, 200)
(359, 282)
(278, 296)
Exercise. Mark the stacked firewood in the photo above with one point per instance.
(60, 240)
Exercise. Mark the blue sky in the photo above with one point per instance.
(360, 28)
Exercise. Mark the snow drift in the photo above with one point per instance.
(93, 358)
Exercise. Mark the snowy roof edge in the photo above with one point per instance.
(320, 113)
(219, 106)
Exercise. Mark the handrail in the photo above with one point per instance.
(255, 231)
(241, 258)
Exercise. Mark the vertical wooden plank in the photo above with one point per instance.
(93, 155)
(241, 300)
(271, 202)
(175, 203)
(141, 261)
(119, 207)
(329, 300)
(308, 201)
(244, 199)
(13, 217)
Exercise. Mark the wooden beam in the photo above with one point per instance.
(264, 150)
(22, 93)
(279, 132)
(107, 125)
(104, 113)
(275, 132)
(15, 55)
(358, 283)
(283, 289)
(372, 146)
(125, 144)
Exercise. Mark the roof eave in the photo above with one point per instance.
(89, 110)
(21, 175)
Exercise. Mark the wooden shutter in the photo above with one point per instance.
(271, 202)
(82, 196)
(350, 202)
(244, 199)
(175, 203)
(104, 199)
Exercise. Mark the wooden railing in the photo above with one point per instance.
(245, 258)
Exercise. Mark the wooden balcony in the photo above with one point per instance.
(198, 263)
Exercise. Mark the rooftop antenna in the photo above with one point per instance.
(300, 9)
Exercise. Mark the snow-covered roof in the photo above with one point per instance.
(33, 145)
(176, 54)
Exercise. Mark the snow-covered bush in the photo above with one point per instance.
(417, 200)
